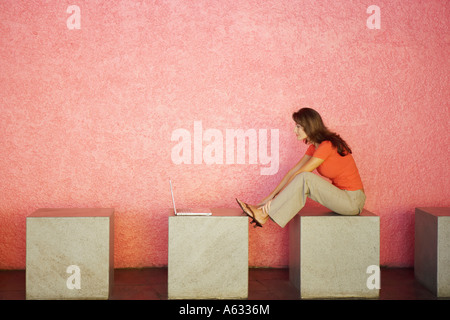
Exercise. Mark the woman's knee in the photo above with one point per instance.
(304, 175)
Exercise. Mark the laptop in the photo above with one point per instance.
(188, 212)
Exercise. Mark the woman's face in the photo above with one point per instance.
(298, 130)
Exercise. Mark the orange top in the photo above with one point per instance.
(342, 171)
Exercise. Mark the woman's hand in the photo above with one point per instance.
(306, 164)
(284, 181)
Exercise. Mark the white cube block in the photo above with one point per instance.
(432, 249)
(208, 256)
(334, 256)
(70, 254)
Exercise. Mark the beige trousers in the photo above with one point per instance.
(293, 197)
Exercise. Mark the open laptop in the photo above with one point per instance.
(188, 212)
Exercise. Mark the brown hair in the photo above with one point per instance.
(317, 132)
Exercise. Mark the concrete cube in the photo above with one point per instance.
(70, 254)
(334, 256)
(432, 249)
(208, 256)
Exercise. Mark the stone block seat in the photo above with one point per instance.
(333, 256)
(208, 256)
(432, 249)
(70, 253)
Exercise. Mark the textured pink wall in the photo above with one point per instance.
(87, 115)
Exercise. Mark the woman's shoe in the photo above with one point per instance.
(248, 211)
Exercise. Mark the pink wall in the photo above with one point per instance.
(87, 115)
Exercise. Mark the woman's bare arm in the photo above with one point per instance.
(288, 177)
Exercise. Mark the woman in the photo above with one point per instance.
(332, 157)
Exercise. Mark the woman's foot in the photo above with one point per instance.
(258, 216)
